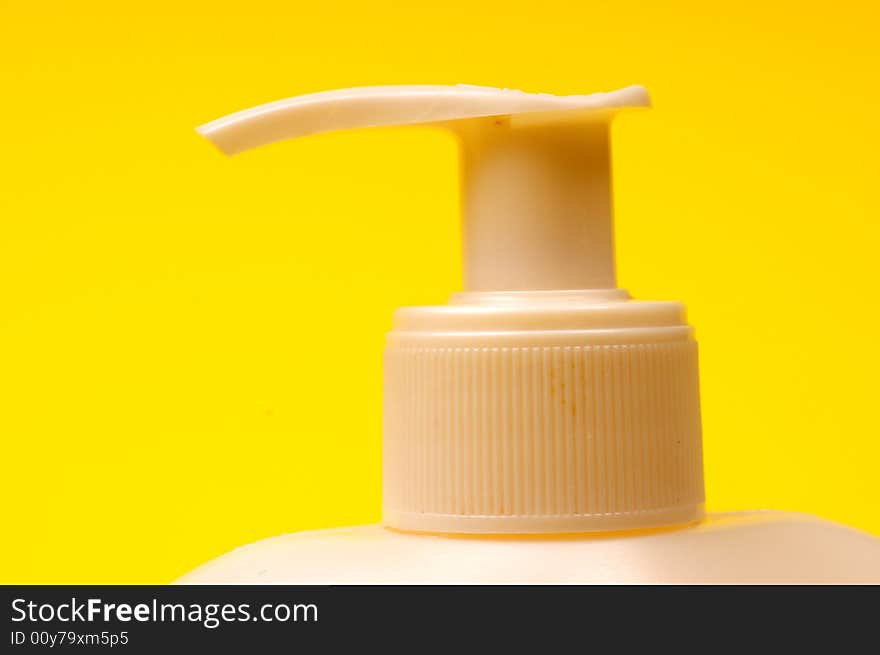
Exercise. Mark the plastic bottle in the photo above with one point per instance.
(542, 427)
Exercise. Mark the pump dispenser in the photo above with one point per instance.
(542, 425)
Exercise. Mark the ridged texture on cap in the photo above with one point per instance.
(542, 439)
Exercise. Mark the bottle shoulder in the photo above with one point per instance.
(741, 547)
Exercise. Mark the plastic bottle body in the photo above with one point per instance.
(760, 547)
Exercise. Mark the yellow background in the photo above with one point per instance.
(174, 325)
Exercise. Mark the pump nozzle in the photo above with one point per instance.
(536, 185)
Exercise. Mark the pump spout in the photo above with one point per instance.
(535, 183)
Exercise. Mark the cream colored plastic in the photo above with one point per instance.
(740, 548)
(541, 400)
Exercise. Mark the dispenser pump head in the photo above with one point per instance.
(542, 399)
(536, 182)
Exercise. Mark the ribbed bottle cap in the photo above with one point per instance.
(533, 416)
